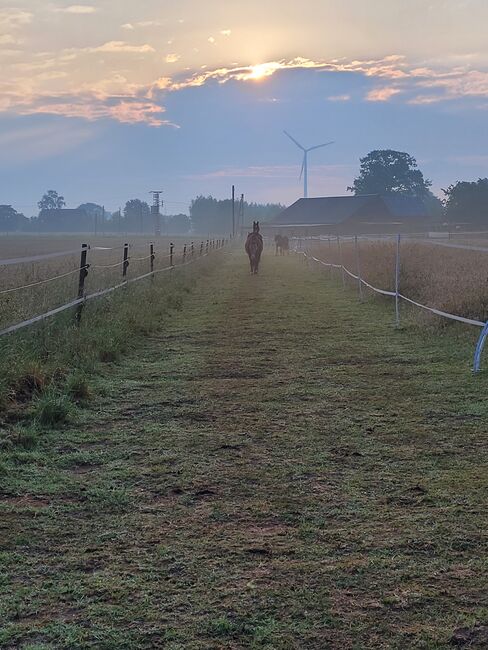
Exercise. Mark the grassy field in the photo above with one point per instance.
(275, 467)
(105, 268)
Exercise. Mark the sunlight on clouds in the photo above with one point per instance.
(382, 94)
(76, 9)
(172, 58)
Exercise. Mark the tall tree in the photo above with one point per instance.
(51, 200)
(385, 171)
(178, 224)
(467, 202)
(137, 216)
(210, 215)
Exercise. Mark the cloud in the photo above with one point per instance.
(76, 9)
(12, 19)
(116, 47)
(339, 98)
(127, 110)
(141, 23)
(211, 39)
(226, 32)
(382, 94)
(172, 58)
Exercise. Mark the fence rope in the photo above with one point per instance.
(438, 312)
(91, 296)
(37, 283)
(37, 258)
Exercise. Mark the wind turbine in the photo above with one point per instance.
(304, 171)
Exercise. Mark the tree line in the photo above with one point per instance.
(207, 216)
(382, 171)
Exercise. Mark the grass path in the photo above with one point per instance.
(277, 468)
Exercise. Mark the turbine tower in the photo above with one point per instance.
(304, 171)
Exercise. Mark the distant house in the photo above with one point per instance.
(65, 220)
(368, 213)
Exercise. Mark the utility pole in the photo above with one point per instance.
(157, 203)
(233, 212)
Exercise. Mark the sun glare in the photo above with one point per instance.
(262, 70)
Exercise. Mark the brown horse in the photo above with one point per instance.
(254, 247)
(282, 244)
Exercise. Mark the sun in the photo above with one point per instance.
(262, 70)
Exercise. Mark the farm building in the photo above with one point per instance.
(368, 213)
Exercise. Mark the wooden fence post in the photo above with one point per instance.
(81, 280)
(184, 253)
(206, 248)
(192, 250)
(151, 260)
(125, 263)
(201, 249)
(171, 250)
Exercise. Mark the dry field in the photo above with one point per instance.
(451, 279)
(104, 257)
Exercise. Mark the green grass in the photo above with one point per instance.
(273, 466)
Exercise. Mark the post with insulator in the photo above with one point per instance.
(81, 281)
(125, 263)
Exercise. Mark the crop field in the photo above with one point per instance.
(262, 462)
(450, 279)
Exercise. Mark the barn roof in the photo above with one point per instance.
(405, 206)
(337, 209)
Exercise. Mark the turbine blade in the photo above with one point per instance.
(303, 168)
(317, 146)
(293, 140)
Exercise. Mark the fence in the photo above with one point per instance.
(171, 260)
(396, 294)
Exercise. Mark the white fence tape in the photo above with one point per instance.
(438, 312)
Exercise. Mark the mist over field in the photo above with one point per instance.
(243, 317)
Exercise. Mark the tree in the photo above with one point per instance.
(385, 171)
(178, 224)
(467, 201)
(209, 215)
(11, 220)
(137, 216)
(51, 201)
(95, 213)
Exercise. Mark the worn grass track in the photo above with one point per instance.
(277, 468)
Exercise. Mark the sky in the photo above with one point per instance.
(106, 100)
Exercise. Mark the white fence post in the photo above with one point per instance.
(340, 262)
(397, 283)
(358, 267)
